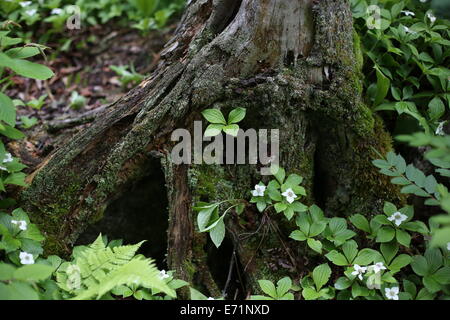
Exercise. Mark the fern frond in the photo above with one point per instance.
(141, 272)
(100, 269)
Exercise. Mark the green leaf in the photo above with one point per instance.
(6, 271)
(403, 237)
(18, 291)
(279, 207)
(360, 222)
(197, 295)
(7, 110)
(261, 205)
(337, 224)
(204, 216)
(385, 234)
(316, 245)
(26, 68)
(350, 249)
(431, 284)
(389, 208)
(321, 275)
(434, 259)
(442, 275)
(310, 294)
(317, 228)
(283, 286)
(337, 258)
(293, 180)
(213, 130)
(278, 172)
(389, 251)
(440, 237)
(11, 132)
(214, 116)
(232, 130)
(399, 262)
(436, 108)
(33, 272)
(420, 265)
(22, 52)
(217, 234)
(289, 213)
(410, 287)
(298, 235)
(342, 283)
(236, 115)
(383, 85)
(268, 288)
(366, 256)
(147, 7)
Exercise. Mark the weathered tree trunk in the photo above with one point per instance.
(294, 65)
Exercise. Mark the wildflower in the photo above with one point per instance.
(408, 30)
(431, 17)
(440, 129)
(31, 12)
(398, 218)
(377, 267)
(259, 191)
(57, 11)
(8, 158)
(211, 298)
(24, 4)
(3, 168)
(289, 195)
(391, 293)
(408, 13)
(20, 223)
(163, 275)
(359, 271)
(26, 258)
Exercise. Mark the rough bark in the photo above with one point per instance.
(294, 64)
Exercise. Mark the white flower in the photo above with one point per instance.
(408, 13)
(22, 224)
(3, 168)
(289, 195)
(259, 191)
(431, 17)
(408, 30)
(57, 11)
(440, 129)
(391, 293)
(26, 258)
(359, 271)
(31, 12)
(24, 4)
(448, 246)
(210, 298)
(8, 158)
(423, 1)
(377, 267)
(398, 218)
(163, 275)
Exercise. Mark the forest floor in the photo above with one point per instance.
(86, 69)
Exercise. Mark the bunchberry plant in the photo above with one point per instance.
(218, 123)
